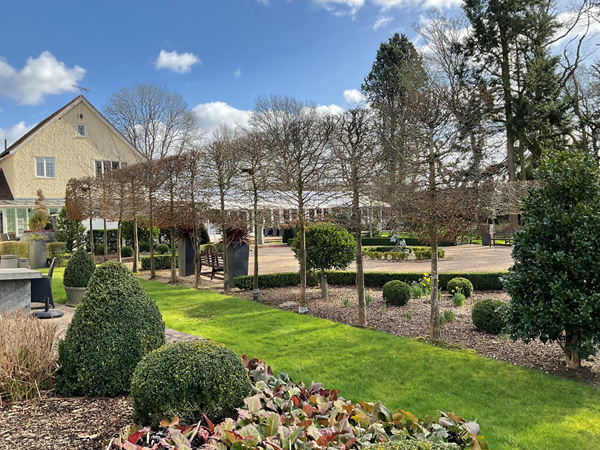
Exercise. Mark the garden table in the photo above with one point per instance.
(15, 289)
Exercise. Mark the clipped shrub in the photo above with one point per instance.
(288, 234)
(21, 249)
(99, 249)
(465, 286)
(272, 280)
(162, 249)
(487, 315)
(144, 247)
(80, 269)
(114, 326)
(126, 252)
(56, 250)
(204, 236)
(396, 293)
(187, 379)
(160, 262)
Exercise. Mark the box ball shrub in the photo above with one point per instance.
(113, 327)
(487, 315)
(186, 379)
(396, 293)
(465, 286)
(99, 249)
(126, 252)
(79, 270)
(144, 247)
(288, 234)
(162, 249)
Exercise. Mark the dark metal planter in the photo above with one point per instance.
(186, 257)
(237, 259)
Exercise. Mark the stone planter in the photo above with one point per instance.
(37, 254)
(237, 260)
(74, 295)
(185, 247)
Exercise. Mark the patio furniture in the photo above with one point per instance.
(12, 237)
(15, 289)
(9, 262)
(211, 257)
(41, 292)
(4, 237)
(23, 263)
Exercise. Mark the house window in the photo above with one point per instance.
(81, 130)
(44, 167)
(102, 167)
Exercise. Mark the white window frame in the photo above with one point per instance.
(84, 135)
(102, 161)
(45, 158)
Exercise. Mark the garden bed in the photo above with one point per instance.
(461, 332)
(58, 423)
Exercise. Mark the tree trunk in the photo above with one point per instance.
(119, 246)
(173, 265)
(151, 239)
(136, 246)
(77, 241)
(324, 287)
(360, 275)
(572, 358)
(434, 323)
(255, 289)
(196, 257)
(105, 239)
(303, 305)
(92, 237)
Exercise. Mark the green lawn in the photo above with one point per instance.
(517, 408)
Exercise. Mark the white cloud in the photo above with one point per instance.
(13, 133)
(382, 22)
(586, 24)
(351, 6)
(341, 7)
(176, 62)
(211, 115)
(331, 109)
(237, 73)
(354, 97)
(41, 76)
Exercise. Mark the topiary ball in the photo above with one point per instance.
(187, 379)
(487, 315)
(126, 252)
(396, 292)
(144, 247)
(79, 269)
(162, 249)
(99, 249)
(114, 326)
(465, 286)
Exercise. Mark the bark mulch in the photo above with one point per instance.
(461, 332)
(63, 423)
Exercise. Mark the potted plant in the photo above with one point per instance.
(37, 242)
(79, 270)
(238, 251)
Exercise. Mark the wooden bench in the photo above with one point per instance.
(210, 257)
(503, 239)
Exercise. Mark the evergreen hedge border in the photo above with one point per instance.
(482, 281)
(375, 241)
(160, 262)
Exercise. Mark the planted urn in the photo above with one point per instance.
(79, 270)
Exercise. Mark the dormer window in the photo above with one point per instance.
(81, 130)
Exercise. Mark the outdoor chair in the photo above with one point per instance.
(12, 237)
(211, 257)
(41, 288)
(4, 237)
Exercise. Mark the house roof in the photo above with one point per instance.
(5, 192)
(57, 115)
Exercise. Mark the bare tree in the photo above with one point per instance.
(258, 171)
(155, 120)
(297, 137)
(222, 166)
(357, 157)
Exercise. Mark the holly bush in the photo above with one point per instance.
(328, 246)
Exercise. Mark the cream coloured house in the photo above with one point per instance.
(74, 142)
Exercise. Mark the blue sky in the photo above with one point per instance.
(219, 54)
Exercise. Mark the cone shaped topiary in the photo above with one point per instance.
(188, 379)
(80, 269)
(115, 325)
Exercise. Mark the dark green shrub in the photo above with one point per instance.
(69, 231)
(99, 249)
(162, 249)
(396, 293)
(366, 241)
(412, 445)
(80, 269)
(111, 237)
(144, 247)
(187, 379)
(460, 283)
(487, 315)
(288, 233)
(126, 252)
(205, 238)
(160, 262)
(114, 326)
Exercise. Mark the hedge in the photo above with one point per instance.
(160, 262)
(482, 281)
(409, 241)
(21, 249)
(111, 236)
